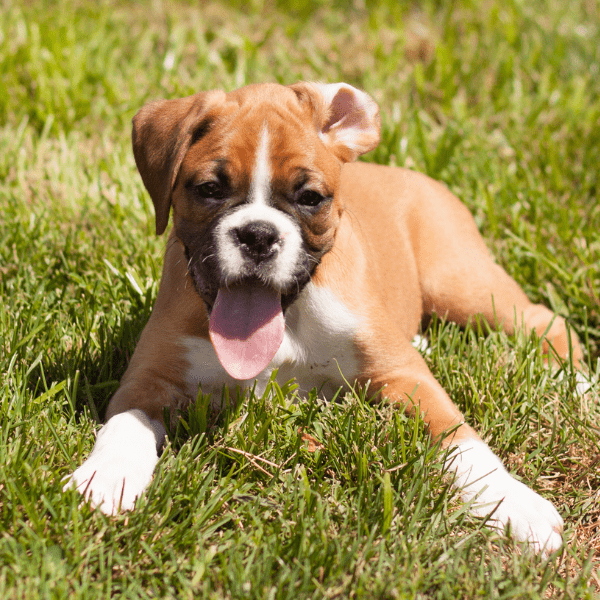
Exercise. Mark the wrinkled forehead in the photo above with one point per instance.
(268, 137)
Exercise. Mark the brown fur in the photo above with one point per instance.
(396, 246)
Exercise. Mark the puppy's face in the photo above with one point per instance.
(252, 178)
(255, 199)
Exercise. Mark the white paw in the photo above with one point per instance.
(532, 518)
(121, 464)
(584, 383)
(482, 478)
(421, 344)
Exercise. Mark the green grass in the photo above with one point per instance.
(286, 496)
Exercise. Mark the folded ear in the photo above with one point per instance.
(162, 134)
(346, 119)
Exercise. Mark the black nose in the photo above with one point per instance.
(258, 239)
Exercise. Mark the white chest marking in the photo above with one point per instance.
(317, 349)
(318, 346)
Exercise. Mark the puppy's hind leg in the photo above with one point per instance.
(460, 279)
(488, 291)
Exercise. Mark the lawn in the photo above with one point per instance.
(288, 496)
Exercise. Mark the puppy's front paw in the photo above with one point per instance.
(121, 464)
(483, 479)
(531, 518)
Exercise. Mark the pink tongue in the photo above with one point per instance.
(246, 329)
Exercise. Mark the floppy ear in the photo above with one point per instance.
(162, 133)
(346, 119)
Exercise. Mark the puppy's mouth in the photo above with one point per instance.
(246, 328)
(246, 315)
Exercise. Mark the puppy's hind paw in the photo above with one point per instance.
(584, 382)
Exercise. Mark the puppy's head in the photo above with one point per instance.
(252, 178)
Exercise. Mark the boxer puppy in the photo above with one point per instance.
(286, 255)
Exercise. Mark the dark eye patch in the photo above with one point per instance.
(210, 181)
(310, 198)
(211, 189)
(302, 180)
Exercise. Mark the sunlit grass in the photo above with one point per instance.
(286, 496)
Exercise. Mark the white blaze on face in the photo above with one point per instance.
(260, 185)
(257, 208)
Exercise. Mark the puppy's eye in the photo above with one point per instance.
(211, 189)
(309, 198)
